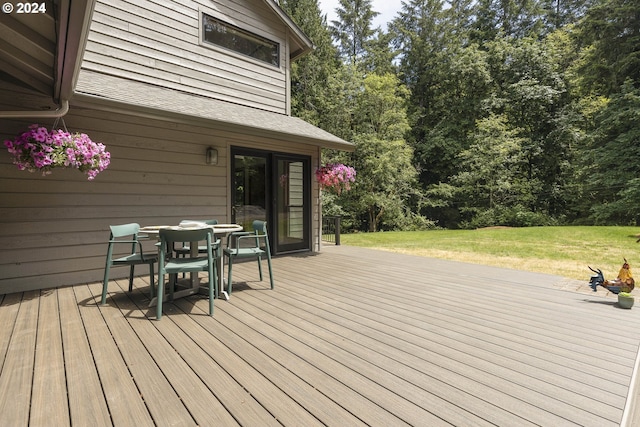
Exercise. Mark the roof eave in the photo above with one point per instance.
(73, 22)
(305, 45)
(84, 100)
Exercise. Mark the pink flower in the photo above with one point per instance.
(37, 149)
(336, 176)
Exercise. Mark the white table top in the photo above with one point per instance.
(217, 228)
(226, 228)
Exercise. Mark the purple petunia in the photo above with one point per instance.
(37, 149)
(336, 176)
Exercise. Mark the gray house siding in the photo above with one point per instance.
(160, 43)
(53, 229)
(157, 97)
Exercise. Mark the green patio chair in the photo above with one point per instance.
(244, 244)
(127, 234)
(183, 248)
(173, 265)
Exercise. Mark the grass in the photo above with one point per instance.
(564, 251)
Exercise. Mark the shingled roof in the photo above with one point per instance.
(160, 102)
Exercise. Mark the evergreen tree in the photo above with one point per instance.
(353, 30)
(610, 34)
(614, 183)
(533, 96)
(386, 191)
(606, 77)
(517, 112)
(417, 34)
(447, 81)
(560, 13)
(310, 74)
(493, 187)
(507, 18)
(460, 21)
(379, 57)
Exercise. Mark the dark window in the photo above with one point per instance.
(231, 37)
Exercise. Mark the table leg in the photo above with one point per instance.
(221, 288)
(195, 282)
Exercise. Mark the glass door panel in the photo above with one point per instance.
(273, 188)
(291, 205)
(250, 190)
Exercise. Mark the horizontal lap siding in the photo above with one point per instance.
(159, 44)
(53, 229)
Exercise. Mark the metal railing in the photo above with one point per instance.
(331, 229)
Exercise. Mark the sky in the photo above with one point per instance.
(386, 8)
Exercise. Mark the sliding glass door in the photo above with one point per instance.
(274, 188)
(292, 208)
(250, 189)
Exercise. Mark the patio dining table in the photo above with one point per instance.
(194, 282)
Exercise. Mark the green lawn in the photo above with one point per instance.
(565, 251)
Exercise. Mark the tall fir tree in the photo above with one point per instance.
(446, 80)
(353, 29)
(560, 13)
(310, 74)
(510, 18)
(610, 34)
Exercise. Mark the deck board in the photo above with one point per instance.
(181, 334)
(302, 361)
(382, 352)
(49, 405)
(425, 380)
(8, 314)
(349, 336)
(125, 403)
(161, 399)
(273, 384)
(82, 376)
(488, 348)
(17, 371)
(356, 365)
(168, 344)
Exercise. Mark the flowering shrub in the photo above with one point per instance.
(336, 176)
(40, 150)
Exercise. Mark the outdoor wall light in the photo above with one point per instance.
(212, 156)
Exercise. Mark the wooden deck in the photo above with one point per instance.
(348, 337)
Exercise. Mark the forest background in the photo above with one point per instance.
(477, 113)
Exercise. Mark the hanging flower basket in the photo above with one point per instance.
(336, 177)
(41, 150)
